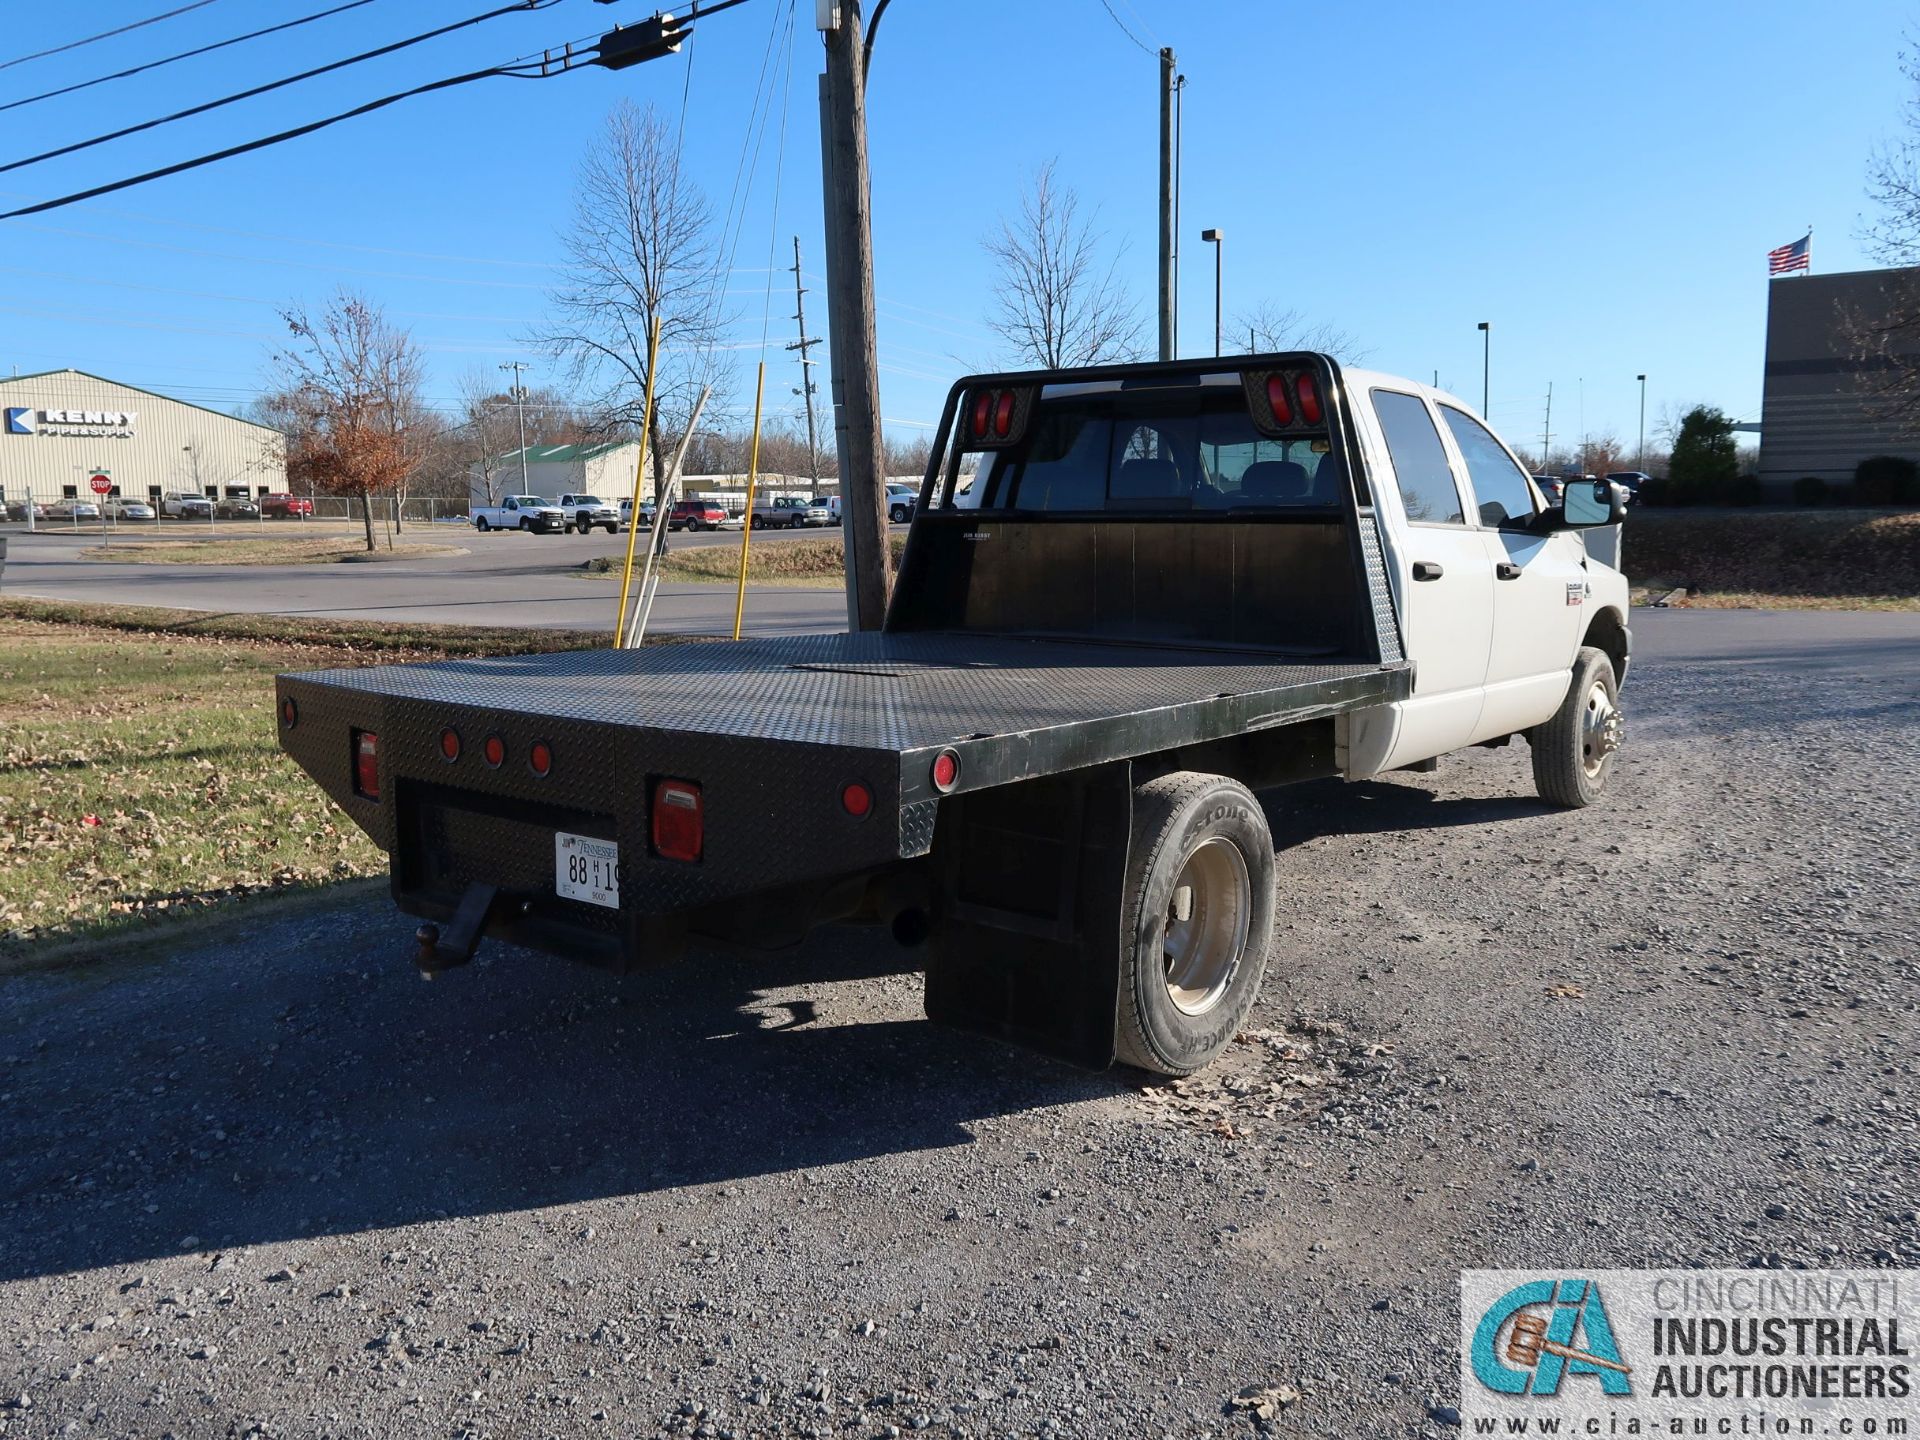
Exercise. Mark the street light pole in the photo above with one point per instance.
(1642, 461)
(1486, 366)
(1218, 239)
(520, 411)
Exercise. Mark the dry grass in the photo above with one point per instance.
(1789, 559)
(276, 550)
(140, 775)
(803, 563)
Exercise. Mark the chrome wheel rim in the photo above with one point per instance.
(1208, 916)
(1599, 730)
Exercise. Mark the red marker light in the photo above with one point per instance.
(856, 800)
(946, 771)
(1277, 400)
(494, 749)
(1309, 393)
(982, 413)
(366, 764)
(1003, 415)
(679, 821)
(289, 713)
(450, 744)
(540, 758)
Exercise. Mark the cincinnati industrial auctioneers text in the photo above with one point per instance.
(1688, 1352)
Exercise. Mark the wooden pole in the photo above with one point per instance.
(855, 371)
(753, 483)
(639, 473)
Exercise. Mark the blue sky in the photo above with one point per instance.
(1601, 182)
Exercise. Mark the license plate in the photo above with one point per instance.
(586, 869)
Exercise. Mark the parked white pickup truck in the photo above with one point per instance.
(521, 512)
(1166, 588)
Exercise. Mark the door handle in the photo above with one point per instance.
(1427, 570)
(1507, 570)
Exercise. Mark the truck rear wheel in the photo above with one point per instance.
(1198, 918)
(1573, 752)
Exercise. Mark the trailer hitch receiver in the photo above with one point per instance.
(444, 949)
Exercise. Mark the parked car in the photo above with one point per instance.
(521, 512)
(586, 511)
(286, 507)
(18, 510)
(1630, 481)
(118, 509)
(237, 507)
(736, 520)
(779, 512)
(185, 505)
(647, 508)
(820, 513)
(830, 504)
(1550, 487)
(696, 515)
(901, 503)
(73, 510)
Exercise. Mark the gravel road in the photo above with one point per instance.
(278, 1186)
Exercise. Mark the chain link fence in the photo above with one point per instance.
(71, 507)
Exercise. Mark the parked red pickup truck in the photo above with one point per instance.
(285, 507)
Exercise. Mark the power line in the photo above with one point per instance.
(184, 55)
(295, 133)
(103, 35)
(1114, 15)
(276, 85)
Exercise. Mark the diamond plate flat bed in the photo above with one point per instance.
(773, 731)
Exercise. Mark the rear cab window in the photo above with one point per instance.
(1190, 449)
(1428, 491)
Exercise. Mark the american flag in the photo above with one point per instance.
(1797, 256)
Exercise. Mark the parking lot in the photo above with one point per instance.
(265, 1181)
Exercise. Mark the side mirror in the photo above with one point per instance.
(1597, 503)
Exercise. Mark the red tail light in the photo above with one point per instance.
(679, 824)
(1277, 399)
(495, 750)
(450, 744)
(366, 764)
(1308, 390)
(946, 771)
(856, 800)
(289, 713)
(1003, 415)
(982, 413)
(540, 758)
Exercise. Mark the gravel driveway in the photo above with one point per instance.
(279, 1186)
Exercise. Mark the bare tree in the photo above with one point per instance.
(1059, 304)
(641, 248)
(349, 389)
(1269, 329)
(488, 434)
(1885, 339)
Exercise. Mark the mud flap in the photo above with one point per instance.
(1027, 924)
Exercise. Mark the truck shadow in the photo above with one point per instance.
(1369, 807)
(305, 1082)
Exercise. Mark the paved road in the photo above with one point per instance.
(505, 579)
(274, 1185)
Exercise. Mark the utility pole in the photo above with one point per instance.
(1179, 142)
(1168, 340)
(1546, 433)
(807, 362)
(520, 411)
(1642, 461)
(1218, 239)
(854, 371)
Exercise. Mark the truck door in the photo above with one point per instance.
(1539, 587)
(1445, 584)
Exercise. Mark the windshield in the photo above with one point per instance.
(538, 502)
(1196, 450)
(588, 500)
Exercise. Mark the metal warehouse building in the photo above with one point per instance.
(60, 428)
(605, 469)
(1817, 417)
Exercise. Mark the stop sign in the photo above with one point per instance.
(101, 484)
